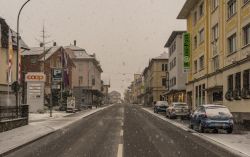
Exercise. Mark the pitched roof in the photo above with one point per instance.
(164, 55)
(172, 37)
(188, 6)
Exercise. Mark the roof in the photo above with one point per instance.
(49, 51)
(188, 6)
(164, 55)
(172, 37)
(77, 53)
(5, 36)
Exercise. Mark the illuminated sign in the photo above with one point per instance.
(35, 77)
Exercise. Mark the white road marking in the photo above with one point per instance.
(120, 150)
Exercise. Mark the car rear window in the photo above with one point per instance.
(218, 111)
(180, 105)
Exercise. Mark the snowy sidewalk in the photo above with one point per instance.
(35, 117)
(238, 144)
(15, 138)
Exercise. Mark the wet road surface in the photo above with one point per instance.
(121, 130)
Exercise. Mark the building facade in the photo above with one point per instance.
(4, 60)
(155, 79)
(220, 54)
(87, 76)
(176, 76)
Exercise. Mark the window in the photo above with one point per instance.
(166, 67)
(230, 82)
(232, 44)
(215, 33)
(195, 66)
(196, 95)
(164, 82)
(162, 67)
(231, 8)
(215, 4)
(217, 96)
(246, 35)
(203, 94)
(162, 98)
(201, 35)
(80, 80)
(93, 81)
(246, 79)
(195, 18)
(238, 81)
(201, 9)
(195, 42)
(201, 62)
(216, 63)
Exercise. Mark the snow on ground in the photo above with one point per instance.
(33, 117)
(236, 143)
(41, 125)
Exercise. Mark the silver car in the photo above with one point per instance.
(178, 109)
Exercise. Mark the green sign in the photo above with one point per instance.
(186, 52)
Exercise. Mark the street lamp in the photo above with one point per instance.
(17, 58)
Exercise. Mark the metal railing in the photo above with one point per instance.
(11, 112)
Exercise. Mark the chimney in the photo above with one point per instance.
(74, 42)
(41, 44)
(54, 44)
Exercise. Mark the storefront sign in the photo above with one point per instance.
(35, 77)
(186, 52)
(56, 75)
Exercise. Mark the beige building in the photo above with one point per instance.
(220, 54)
(4, 60)
(86, 80)
(155, 79)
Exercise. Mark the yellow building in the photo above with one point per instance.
(220, 54)
(155, 79)
(4, 61)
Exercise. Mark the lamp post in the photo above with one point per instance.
(17, 58)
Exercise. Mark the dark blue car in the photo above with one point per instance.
(212, 117)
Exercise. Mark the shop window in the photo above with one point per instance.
(237, 91)
(230, 87)
(246, 84)
(217, 96)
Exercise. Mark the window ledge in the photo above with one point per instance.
(247, 45)
(229, 18)
(232, 53)
(201, 69)
(214, 9)
(245, 4)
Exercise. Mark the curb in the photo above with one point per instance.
(47, 134)
(204, 137)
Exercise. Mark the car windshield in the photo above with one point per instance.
(215, 111)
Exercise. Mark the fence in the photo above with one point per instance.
(12, 112)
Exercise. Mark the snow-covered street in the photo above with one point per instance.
(237, 143)
(40, 125)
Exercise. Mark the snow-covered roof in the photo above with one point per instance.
(164, 55)
(49, 51)
(78, 53)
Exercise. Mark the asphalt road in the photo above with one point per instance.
(121, 130)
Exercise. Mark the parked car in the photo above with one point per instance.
(178, 109)
(160, 106)
(212, 117)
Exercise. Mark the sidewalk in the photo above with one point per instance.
(236, 143)
(39, 128)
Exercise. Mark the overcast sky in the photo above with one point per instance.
(124, 34)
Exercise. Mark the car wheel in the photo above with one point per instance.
(229, 131)
(201, 129)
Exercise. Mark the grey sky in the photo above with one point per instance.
(118, 31)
